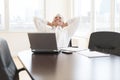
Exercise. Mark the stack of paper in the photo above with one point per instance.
(72, 49)
(93, 54)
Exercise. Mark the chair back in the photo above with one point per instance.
(105, 41)
(8, 69)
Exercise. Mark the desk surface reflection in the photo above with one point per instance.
(70, 66)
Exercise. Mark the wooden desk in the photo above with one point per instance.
(70, 67)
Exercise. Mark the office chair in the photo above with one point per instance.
(105, 41)
(8, 69)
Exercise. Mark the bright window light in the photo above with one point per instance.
(22, 13)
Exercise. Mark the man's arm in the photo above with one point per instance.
(73, 25)
(50, 24)
(65, 25)
(41, 24)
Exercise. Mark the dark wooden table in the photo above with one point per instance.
(70, 66)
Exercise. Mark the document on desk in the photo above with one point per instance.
(72, 49)
(93, 54)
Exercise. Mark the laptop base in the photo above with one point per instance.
(46, 52)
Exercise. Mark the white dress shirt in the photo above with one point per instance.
(63, 35)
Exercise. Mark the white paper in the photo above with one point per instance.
(93, 54)
(72, 49)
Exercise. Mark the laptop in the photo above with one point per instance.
(43, 42)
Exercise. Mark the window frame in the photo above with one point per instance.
(92, 15)
(7, 18)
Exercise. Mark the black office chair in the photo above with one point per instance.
(70, 43)
(8, 69)
(105, 41)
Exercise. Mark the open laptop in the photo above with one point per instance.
(43, 42)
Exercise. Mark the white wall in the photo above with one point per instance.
(19, 41)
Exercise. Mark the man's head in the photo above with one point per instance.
(58, 18)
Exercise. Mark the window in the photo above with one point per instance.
(97, 15)
(117, 15)
(82, 9)
(1, 14)
(102, 15)
(20, 13)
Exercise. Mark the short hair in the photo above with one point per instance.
(59, 15)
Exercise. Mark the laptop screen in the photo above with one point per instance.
(42, 41)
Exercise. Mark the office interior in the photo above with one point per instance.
(16, 19)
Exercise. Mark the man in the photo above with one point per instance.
(58, 21)
(64, 30)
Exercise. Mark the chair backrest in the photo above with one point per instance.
(8, 69)
(105, 41)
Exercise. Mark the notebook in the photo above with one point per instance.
(43, 42)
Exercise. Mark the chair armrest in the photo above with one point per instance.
(22, 69)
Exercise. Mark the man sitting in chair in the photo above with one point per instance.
(58, 21)
(64, 30)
